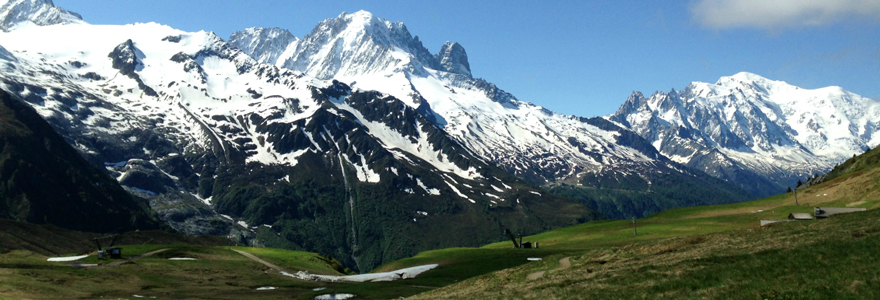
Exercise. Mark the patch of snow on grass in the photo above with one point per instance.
(67, 258)
(334, 296)
(405, 273)
(266, 288)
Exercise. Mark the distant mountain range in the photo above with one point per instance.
(761, 134)
(354, 140)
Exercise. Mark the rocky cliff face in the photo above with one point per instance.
(454, 59)
(263, 44)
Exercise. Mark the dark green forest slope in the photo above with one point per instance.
(43, 180)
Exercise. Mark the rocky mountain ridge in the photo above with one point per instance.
(34, 12)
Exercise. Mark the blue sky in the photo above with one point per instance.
(582, 57)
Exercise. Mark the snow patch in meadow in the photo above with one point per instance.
(405, 273)
(334, 296)
(67, 258)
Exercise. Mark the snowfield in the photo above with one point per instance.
(405, 273)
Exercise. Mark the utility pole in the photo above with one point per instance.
(795, 197)
(634, 226)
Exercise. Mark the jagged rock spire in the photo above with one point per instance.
(454, 59)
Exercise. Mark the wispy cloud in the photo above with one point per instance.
(780, 14)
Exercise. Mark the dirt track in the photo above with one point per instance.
(564, 263)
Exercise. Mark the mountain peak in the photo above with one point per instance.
(263, 44)
(37, 12)
(745, 77)
(364, 22)
(358, 15)
(454, 59)
(357, 43)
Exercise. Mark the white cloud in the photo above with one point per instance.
(780, 14)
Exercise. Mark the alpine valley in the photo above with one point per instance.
(356, 141)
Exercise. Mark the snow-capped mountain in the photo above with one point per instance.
(527, 140)
(759, 133)
(185, 119)
(354, 140)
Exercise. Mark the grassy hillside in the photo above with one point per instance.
(50, 240)
(218, 273)
(707, 251)
(827, 259)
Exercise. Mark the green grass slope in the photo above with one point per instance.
(717, 251)
(218, 273)
(827, 259)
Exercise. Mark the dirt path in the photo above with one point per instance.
(564, 263)
(257, 259)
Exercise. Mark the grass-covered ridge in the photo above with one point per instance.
(297, 260)
(216, 273)
(828, 259)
